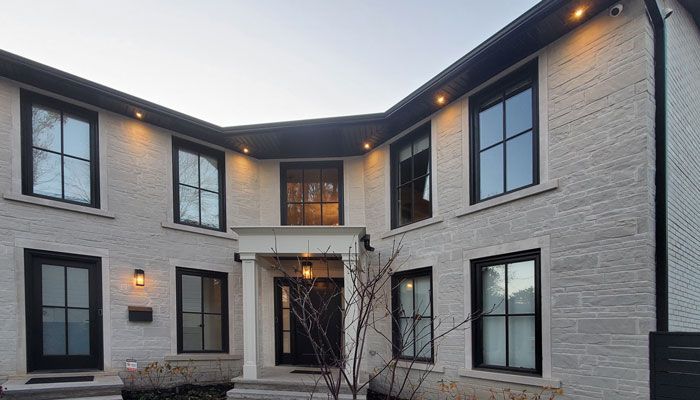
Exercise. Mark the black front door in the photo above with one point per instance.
(64, 311)
(293, 343)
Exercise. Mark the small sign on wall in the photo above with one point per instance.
(131, 365)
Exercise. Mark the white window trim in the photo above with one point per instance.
(180, 263)
(543, 138)
(543, 244)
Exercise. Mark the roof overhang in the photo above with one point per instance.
(329, 137)
(295, 240)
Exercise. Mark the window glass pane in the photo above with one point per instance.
(406, 335)
(331, 214)
(78, 288)
(294, 189)
(285, 296)
(312, 185)
(212, 295)
(421, 198)
(191, 332)
(521, 287)
(191, 293)
(210, 209)
(494, 340)
(285, 319)
(519, 161)
(212, 332)
(312, 214)
(76, 178)
(421, 143)
(53, 290)
(294, 214)
(405, 204)
(424, 336)
(521, 342)
(53, 321)
(76, 137)
(405, 151)
(209, 173)
(188, 167)
(422, 295)
(404, 172)
(46, 128)
(330, 184)
(286, 342)
(421, 163)
(189, 205)
(491, 172)
(491, 126)
(519, 113)
(46, 169)
(493, 289)
(78, 332)
(405, 306)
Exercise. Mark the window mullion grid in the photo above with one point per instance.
(65, 302)
(505, 174)
(506, 321)
(413, 188)
(199, 192)
(201, 316)
(320, 200)
(63, 179)
(303, 197)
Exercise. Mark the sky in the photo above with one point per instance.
(245, 62)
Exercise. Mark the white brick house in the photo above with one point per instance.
(589, 189)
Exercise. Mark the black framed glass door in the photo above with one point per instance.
(64, 311)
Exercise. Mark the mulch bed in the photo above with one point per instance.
(188, 392)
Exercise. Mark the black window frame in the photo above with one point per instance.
(223, 277)
(394, 171)
(477, 308)
(220, 156)
(396, 279)
(27, 100)
(522, 79)
(285, 166)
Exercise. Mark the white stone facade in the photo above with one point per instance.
(591, 216)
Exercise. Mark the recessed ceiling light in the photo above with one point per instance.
(246, 150)
(579, 12)
(139, 114)
(441, 100)
(367, 146)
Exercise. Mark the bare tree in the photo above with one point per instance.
(365, 307)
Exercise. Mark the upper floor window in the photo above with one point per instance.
(504, 155)
(410, 175)
(199, 191)
(59, 150)
(508, 336)
(412, 294)
(312, 193)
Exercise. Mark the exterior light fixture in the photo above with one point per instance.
(367, 146)
(139, 115)
(579, 12)
(139, 277)
(246, 150)
(306, 271)
(409, 285)
(441, 100)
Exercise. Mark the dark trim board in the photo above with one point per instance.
(36, 360)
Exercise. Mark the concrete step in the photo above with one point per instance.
(103, 387)
(262, 394)
(304, 383)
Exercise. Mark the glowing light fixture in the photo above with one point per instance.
(139, 277)
(409, 285)
(246, 150)
(306, 271)
(367, 146)
(441, 100)
(139, 115)
(579, 12)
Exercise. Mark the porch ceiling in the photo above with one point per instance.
(292, 240)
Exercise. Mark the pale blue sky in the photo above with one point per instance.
(236, 62)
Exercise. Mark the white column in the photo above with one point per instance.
(351, 308)
(251, 363)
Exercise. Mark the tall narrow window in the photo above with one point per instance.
(202, 311)
(59, 157)
(412, 303)
(312, 193)
(411, 171)
(508, 335)
(504, 140)
(198, 173)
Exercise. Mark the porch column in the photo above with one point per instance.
(251, 364)
(351, 309)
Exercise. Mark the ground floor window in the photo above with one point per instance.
(412, 293)
(202, 311)
(508, 335)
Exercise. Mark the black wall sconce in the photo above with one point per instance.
(139, 277)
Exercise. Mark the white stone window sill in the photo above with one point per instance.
(411, 227)
(39, 201)
(420, 366)
(203, 357)
(200, 231)
(511, 378)
(520, 194)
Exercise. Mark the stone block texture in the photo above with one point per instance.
(683, 168)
